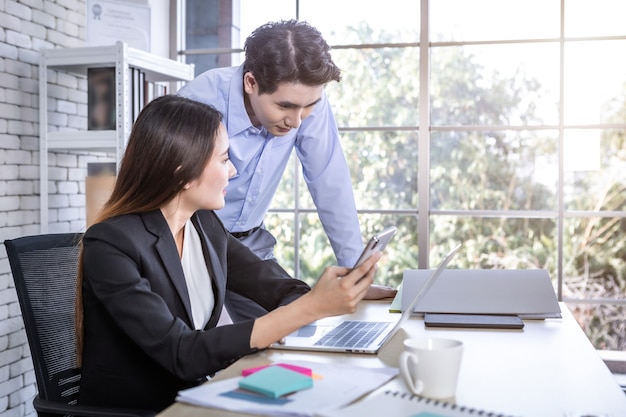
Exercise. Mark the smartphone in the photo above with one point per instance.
(377, 243)
(477, 321)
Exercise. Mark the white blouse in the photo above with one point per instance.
(199, 280)
(197, 277)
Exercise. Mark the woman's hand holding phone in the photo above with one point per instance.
(377, 243)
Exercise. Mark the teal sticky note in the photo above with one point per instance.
(276, 381)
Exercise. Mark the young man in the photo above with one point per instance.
(274, 103)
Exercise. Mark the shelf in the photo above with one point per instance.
(77, 60)
(89, 140)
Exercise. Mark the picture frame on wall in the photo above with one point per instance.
(110, 21)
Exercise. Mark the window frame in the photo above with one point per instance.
(424, 130)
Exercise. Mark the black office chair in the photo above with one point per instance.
(44, 270)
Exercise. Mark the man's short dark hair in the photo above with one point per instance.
(289, 51)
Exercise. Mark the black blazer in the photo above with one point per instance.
(140, 347)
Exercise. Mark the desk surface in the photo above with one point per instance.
(547, 369)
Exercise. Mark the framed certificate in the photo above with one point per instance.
(109, 21)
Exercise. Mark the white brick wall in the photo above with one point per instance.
(25, 27)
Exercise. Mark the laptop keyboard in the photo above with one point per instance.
(352, 334)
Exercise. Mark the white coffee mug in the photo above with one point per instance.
(430, 366)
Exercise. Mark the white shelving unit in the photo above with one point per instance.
(77, 61)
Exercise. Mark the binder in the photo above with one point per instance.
(402, 404)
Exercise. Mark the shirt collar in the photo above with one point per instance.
(238, 119)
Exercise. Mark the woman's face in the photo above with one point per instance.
(208, 191)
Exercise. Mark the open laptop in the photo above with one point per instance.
(357, 336)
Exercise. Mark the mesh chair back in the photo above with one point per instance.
(44, 270)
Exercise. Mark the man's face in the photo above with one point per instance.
(282, 110)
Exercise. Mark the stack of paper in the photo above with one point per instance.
(335, 384)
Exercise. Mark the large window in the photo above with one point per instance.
(503, 130)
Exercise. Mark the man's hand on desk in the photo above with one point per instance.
(377, 292)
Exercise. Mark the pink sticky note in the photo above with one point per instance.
(300, 369)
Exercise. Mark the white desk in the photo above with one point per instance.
(548, 369)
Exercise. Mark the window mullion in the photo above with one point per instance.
(423, 173)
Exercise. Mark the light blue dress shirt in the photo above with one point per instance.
(261, 159)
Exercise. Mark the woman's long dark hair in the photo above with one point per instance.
(170, 144)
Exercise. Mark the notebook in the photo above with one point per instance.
(356, 336)
(402, 404)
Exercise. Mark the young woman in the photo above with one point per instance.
(155, 267)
